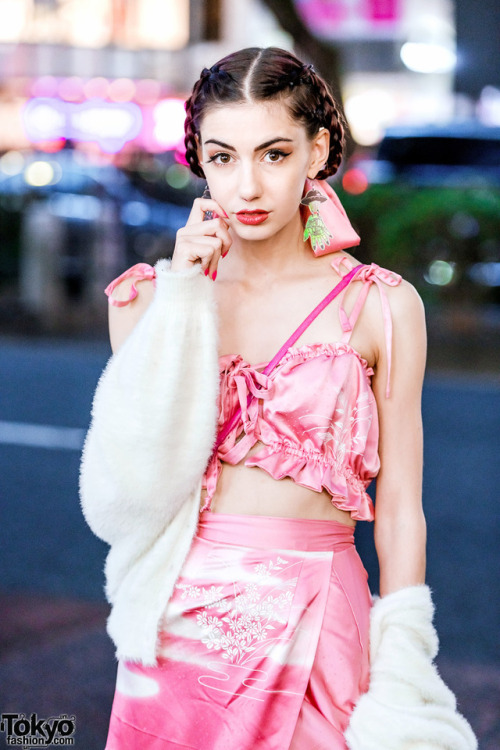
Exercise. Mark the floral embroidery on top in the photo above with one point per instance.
(239, 626)
(342, 431)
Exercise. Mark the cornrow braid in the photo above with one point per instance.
(313, 103)
(255, 74)
(214, 84)
(190, 130)
(329, 116)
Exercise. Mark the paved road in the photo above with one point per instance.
(47, 550)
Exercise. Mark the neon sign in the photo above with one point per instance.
(109, 124)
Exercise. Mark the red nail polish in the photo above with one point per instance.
(225, 214)
(214, 275)
(223, 255)
(206, 271)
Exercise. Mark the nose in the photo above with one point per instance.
(249, 185)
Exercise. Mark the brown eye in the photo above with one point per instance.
(220, 158)
(276, 156)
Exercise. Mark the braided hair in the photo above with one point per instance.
(254, 75)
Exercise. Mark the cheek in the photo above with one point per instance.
(219, 186)
(291, 192)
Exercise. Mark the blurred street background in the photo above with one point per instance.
(93, 179)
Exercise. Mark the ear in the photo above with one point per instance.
(320, 148)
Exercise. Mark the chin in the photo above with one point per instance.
(253, 233)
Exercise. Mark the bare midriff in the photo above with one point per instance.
(248, 490)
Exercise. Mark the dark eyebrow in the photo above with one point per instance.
(272, 142)
(258, 148)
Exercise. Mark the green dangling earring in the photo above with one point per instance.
(315, 229)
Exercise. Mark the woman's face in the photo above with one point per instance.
(256, 160)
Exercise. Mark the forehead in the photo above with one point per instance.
(250, 123)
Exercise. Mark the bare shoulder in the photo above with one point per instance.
(123, 318)
(409, 342)
(406, 304)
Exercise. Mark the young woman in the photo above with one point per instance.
(255, 634)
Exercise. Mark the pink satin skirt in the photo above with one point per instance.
(263, 645)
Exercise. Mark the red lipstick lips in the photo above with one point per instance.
(252, 217)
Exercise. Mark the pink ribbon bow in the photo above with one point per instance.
(372, 274)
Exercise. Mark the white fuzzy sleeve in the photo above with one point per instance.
(154, 413)
(407, 706)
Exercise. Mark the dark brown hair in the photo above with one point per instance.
(256, 74)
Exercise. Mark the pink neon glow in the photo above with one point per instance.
(44, 86)
(71, 89)
(96, 88)
(108, 124)
(121, 90)
(169, 115)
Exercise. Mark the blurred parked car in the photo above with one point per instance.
(455, 155)
(428, 205)
(68, 224)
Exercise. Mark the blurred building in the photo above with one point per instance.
(91, 133)
(89, 67)
(398, 59)
(92, 92)
(96, 68)
(399, 62)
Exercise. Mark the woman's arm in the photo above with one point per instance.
(400, 530)
(154, 412)
(407, 703)
(200, 241)
(123, 319)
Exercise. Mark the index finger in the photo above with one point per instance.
(201, 206)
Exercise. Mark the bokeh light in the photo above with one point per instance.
(42, 173)
(464, 226)
(486, 274)
(423, 57)
(12, 163)
(121, 90)
(71, 89)
(369, 112)
(96, 88)
(355, 181)
(177, 176)
(135, 213)
(148, 91)
(440, 272)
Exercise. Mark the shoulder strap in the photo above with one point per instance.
(343, 283)
(226, 429)
(138, 272)
(372, 274)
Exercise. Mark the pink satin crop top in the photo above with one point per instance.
(314, 414)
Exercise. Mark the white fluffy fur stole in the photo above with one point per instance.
(154, 420)
(407, 706)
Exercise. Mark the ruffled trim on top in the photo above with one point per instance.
(335, 348)
(311, 470)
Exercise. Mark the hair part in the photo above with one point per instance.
(266, 74)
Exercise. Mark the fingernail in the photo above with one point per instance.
(214, 275)
(206, 271)
(223, 255)
(225, 214)
(216, 215)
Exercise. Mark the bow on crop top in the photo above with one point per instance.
(315, 413)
